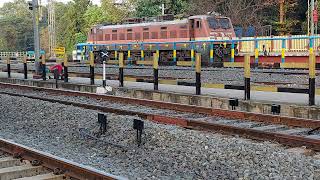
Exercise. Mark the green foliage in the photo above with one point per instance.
(149, 8)
(93, 16)
(115, 13)
(16, 26)
(80, 38)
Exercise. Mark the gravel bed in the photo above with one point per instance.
(167, 152)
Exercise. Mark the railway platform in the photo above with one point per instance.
(270, 97)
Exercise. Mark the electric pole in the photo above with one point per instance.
(312, 18)
(33, 5)
(51, 27)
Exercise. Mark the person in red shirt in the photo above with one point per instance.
(59, 68)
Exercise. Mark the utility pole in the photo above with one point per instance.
(312, 18)
(51, 27)
(33, 5)
(308, 18)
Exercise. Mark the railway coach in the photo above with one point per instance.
(140, 38)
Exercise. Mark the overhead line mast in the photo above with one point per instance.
(51, 27)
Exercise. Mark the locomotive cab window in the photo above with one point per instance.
(198, 24)
(213, 23)
(224, 23)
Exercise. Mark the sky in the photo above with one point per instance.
(45, 1)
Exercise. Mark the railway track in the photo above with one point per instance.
(285, 130)
(21, 162)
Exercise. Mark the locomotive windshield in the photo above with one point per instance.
(223, 23)
(213, 23)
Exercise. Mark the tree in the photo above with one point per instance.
(93, 16)
(116, 12)
(149, 8)
(16, 26)
(72, 22)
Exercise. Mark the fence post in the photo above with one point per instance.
(174, 52)
(232, 51)
(142, 52)
(121, 65)
(198, 73)
(256, 52)
(25, 67)
(155, 71)
(283, 51)
(65, 65)
(247, 77)
(91, 68)
(8, 66)
(192, 54)
(211, 53)
(312, 74)
(43, 62)
(129, 55)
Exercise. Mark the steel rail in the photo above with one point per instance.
(55, 163)
(290, 140)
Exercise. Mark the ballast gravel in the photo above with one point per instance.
(167, 152)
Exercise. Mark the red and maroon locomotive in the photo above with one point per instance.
(194, 28)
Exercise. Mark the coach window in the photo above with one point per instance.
(122, 37)
(137, 36)
(114, 37)
(173, 34)
(129, 36)
(183, 34)
(154, 35)
(163, 35)
(145, 35)
(107, 37)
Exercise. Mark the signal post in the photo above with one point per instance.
(312, 74)
(8, 66)
(25, 67)
(247, 77)
(91, 68)
(121, 65)
(198, 74)
(155, 71)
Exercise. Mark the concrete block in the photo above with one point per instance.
(9, 162)
(301, 151)
(269, 127)
(295, 131)
(20, 171)
(205, 101)
(156, 96)
(183, 99)
(195, 100)
(218, 103)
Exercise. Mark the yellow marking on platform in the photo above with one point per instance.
(294, 65)
(131, 79)
(171, 82)
(233, 64)
(113, 62)
(215, 86)
(264, 88)
(184, 63)
(144, 62)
